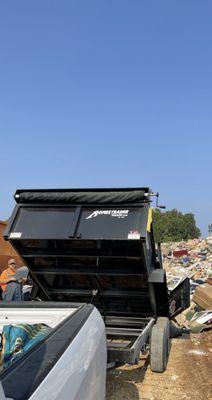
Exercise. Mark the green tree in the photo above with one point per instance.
(174, 226)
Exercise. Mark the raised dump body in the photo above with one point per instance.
(96, 246)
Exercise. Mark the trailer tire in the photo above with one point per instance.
(163, 321)
(160, 345)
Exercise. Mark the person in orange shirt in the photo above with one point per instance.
(8, 276)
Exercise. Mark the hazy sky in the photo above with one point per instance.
(100, 93)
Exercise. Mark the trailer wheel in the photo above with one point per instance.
(160, 345)
(161, 321)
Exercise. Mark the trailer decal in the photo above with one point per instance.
(134, 235)
(112, 213)
(15, 235)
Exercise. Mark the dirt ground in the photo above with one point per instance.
(188, 375)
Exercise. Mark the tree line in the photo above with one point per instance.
(174, 226)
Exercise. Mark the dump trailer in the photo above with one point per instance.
(96, 246)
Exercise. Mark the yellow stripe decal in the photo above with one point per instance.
(149, 220)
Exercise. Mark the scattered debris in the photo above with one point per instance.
(198, 353)
(203, 296)
(200, 321)
(174, 377)
(180, 253)
(191, 259)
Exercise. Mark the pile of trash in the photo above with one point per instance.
(198, 317)
(192, 259)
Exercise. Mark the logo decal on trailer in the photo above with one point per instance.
(112, 213)
(134, 235)
(15, 235)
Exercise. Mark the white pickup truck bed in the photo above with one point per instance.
(69, 364)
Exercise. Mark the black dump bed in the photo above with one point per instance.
(91, 246)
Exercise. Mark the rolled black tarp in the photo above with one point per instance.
(81, 197)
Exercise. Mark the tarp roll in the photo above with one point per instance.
(116, 197)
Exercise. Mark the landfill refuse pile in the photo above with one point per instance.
(192, 259)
